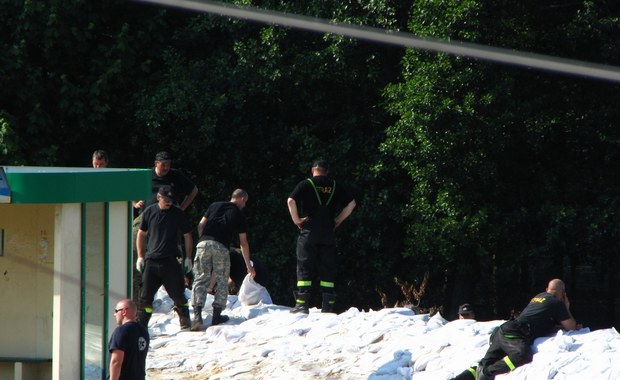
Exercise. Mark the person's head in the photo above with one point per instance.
(556, 288)
(466, 311)
(165, 198)
(320, 167)
(100, 159)
(125, 311)
(239, 197)
(163, 162)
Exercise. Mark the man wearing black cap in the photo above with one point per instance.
(325, 206)
(466, 311)
(183, 193)
(183, 189)
(158, 263)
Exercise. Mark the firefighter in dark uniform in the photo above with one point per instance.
(325, 204)
(510, 344)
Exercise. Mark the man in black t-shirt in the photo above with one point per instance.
(183, 193)
(216, 230)
(510, 343)
(129, 344)
(183, 189)
(324, 206)
(158, 233)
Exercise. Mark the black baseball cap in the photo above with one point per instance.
(321, 164)
(465, 309)
(163, 156)
(166, 192)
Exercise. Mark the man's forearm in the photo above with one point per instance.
(140, 244)
(345, 213)
(188, 245)
(245, 251)
(189, 199)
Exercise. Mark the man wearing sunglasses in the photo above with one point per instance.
(157, 246)
(128, 345)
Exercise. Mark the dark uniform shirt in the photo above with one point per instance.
(224, 219)
(163, 226)
(306, 198)
(133, 339)
(543, 313)
(179, 183)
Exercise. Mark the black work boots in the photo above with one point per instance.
(329, 300)
(197, 323)
(218, 317)
(302, 299)
(302, 302)
(143, 318)
(183, 313)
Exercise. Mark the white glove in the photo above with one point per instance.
(140, 264)
(187, 265)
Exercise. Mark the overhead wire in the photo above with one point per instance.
(407, 40)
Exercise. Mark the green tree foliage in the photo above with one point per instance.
(238, 104)
(249, 105)
(489, 177)
(512, 169)
(68, 71)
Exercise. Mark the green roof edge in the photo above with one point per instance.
(32, 185)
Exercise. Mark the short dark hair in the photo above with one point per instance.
(100, 155)
(322, 164)
(239, 193)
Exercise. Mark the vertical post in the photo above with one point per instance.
(66, 363)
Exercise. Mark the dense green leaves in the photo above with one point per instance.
(511, 168)
(490, 178)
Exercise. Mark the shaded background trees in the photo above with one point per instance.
(490, 178)
(512, 168)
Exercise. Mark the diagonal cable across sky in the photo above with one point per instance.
(408, 40)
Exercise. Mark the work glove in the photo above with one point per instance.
(140, 264)
(187, 265)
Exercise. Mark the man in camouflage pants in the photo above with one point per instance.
(216, 230)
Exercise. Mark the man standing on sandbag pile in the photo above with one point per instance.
(319, 199)
(157, 248)
(216, 230)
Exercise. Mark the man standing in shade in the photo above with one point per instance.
(128, 345)
(324, 205)
(158, 233)
(183, 189)
(183, 193)
(216, 230)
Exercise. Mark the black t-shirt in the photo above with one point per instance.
(224, 219)
(179, 183)
(307, 201)
(543, 313)
(163, 226)
(133, 339)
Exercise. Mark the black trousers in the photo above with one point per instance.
(506, 351)
(167, 272)
(316, 252)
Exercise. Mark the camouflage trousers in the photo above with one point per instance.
(212, 259)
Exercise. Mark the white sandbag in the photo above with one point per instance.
(252, 293)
